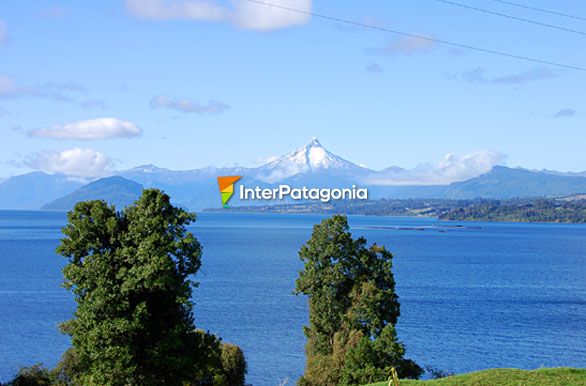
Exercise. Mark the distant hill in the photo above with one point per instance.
(115, 190)
(32, 190)
(503, 182)
(575, 197)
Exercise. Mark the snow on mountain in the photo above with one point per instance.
(312, 157)
(558, 173)
(150, 168)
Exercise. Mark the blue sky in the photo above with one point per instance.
(192, 83)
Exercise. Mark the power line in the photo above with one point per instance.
(540, 9)
(522, 19)
(415, 36)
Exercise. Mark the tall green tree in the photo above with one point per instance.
(353, 309)
(131, 275)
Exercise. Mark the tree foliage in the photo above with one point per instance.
(233, 364)
(131, 275)
(353, 309)
(35, 375)
(68, 370)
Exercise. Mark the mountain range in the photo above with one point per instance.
(115, 190)
(311, 165)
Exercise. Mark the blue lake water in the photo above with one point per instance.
(473, 297)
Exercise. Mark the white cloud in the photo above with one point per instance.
(179, 9)
(241, 13)
(187, 105)
(265, 160)
(3, 31)
(451, 169)
(250, 15)
(75, 162)
(92, 129)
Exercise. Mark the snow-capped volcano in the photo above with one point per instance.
(309, 158)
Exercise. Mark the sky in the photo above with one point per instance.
(91, 87)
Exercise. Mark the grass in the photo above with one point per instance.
(561, 376)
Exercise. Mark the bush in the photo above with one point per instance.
(35, 375)
(68, 369)
(222, 364)
(233, 365)
(437, 373)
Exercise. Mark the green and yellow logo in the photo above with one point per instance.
(226, 184)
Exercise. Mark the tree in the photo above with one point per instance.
(130, 273)
(353, 309)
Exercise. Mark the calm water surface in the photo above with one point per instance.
(477, 296)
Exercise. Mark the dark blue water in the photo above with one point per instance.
(483, 295)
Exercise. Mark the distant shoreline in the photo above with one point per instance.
(529, 211)
(570, 210)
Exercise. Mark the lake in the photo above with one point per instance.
(473, 295)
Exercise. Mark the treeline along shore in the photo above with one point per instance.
(562, 210)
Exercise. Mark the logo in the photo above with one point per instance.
(286, 192)
(226, 184)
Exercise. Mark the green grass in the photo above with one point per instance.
(562, 376)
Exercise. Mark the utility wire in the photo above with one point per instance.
(522, 19)
(540, 9)
(420, 37)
